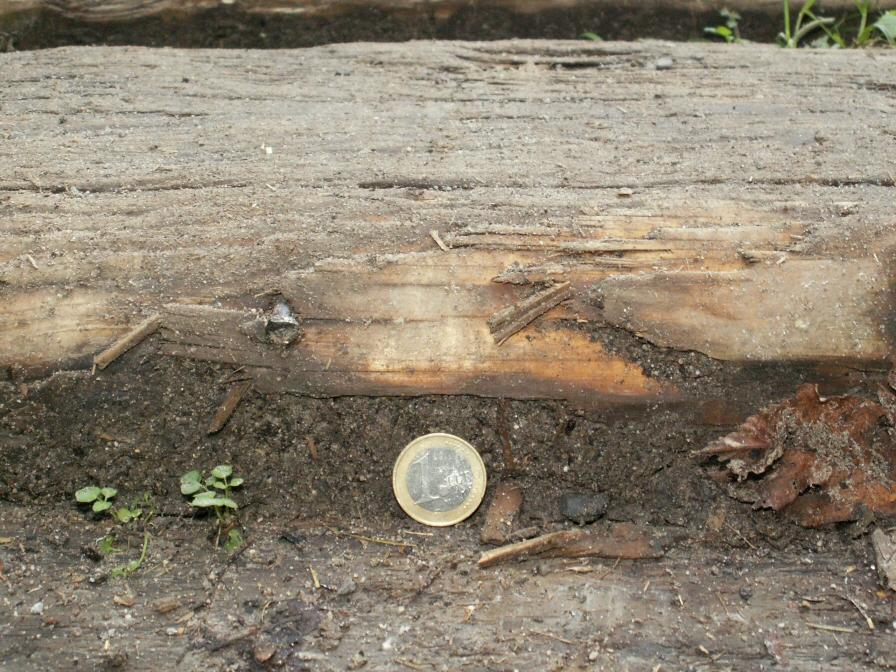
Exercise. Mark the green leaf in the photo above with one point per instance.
(106, 545)
(189, 487)
(125, 515)
(210, 480)
(109, 493)
(594, 37)
(226, 501)
(88, 494)
(221, 485)
(222, 471)
(236, 482)
(101, 505)
(206, 499)
(234, 540)
(720, 31)
(191, 476)
(886, 25)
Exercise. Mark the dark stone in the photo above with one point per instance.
(583, 507)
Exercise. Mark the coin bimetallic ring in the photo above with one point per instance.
(439, 479)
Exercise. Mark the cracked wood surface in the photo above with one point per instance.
(759, 226)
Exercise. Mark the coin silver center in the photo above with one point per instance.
(440, 479)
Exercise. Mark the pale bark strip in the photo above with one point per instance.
(128, 341)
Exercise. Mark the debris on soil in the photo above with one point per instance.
(128, 341)
(508, 321)
(228, 406)
(620, 540)
(501, 514)
(817, 459)
(583, 507)
(263, 649)
(885, 556)
(524, 549)
(166, 605)
(347, 588)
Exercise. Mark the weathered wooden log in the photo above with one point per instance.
(29, 24)
(699, 207)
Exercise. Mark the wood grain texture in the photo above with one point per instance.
(759, 225)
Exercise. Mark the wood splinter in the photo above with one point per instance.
(146, 328)
(620, 540)
(501, 514)
(507, 321)
(441, 243)
(522, 549)
(228, 406)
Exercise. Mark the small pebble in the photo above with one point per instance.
(664, 63)
(37, 608)
(347, 588)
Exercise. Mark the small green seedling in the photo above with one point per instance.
(806, 22)
(106, 545)
(593, 37)
(215, 492)
(729, 30)
(134, 565)
(886, 26)
(234, 540)
(101, 498)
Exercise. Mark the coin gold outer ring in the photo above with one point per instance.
(438, 518)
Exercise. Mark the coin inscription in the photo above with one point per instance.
(440, 479)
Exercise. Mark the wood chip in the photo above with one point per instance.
(228, 406)
(830, 628)
(441, 243)
(508, 321)
(501, 514)
(885, 554)
(166, 605)
(128, 341)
